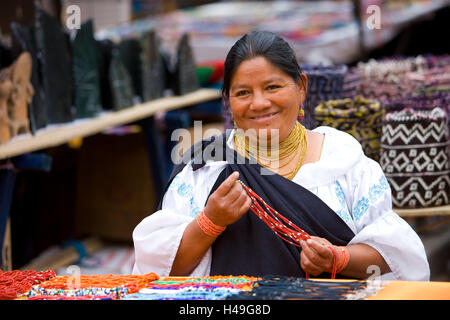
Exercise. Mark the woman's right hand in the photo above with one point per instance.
(228, 203)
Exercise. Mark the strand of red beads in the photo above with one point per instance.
(283, 227)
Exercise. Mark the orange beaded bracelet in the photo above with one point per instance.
(207, 226)
(343, 258)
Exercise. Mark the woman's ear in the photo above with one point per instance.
(303, 85)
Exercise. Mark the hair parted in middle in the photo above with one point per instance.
(260, 44)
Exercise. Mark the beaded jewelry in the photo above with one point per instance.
(207, 226)
(285, 152)
(15, 283)
(289, 232)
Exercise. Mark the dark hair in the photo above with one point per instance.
(260, 43)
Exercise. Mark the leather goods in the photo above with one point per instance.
(5, 92)
(120, 82)
(16, 93)
(185, 73)
(23, 39)
(130, 55)
(5, 55)
(153, 71)
(85, 70)
(105, 48)
(55, 59)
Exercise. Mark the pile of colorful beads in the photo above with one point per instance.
(14, 284)
(87, 297)
(187, 293)
(107, 286)
(194, 288)
(272, 287)
(91, 293)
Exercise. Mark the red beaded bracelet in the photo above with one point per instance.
(207, 226)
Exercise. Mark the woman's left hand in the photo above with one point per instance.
(316, 257)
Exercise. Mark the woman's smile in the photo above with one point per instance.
(262, 96)
(261, 119)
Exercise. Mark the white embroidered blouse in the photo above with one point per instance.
(350, 183)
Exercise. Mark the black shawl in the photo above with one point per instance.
(249, 246)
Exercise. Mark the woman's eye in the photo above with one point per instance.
(241, 93)
(273, 87)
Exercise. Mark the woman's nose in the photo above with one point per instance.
(259, 101)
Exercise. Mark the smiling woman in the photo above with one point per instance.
(264, 97)
(318, 180)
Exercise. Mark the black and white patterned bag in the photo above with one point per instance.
(415, 157)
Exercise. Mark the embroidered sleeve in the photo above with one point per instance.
(378, 226)
(157, 237)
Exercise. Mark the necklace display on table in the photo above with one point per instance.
(281, 155)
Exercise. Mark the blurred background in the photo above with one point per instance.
(91, 91)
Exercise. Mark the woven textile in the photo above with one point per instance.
(391, 69)
(433, 82)
(352, 84)
(386, 79)
(360, 117)
(387, 90)
(415, 157)
(438, 61)
(324, 83)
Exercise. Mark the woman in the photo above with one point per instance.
(320, 180)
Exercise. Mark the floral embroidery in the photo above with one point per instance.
(375, 193)
(343, 212)
(185, 190)
(384, 183)
(361, 207)
(176, 182)
(194, 209)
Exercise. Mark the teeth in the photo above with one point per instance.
(264, 116)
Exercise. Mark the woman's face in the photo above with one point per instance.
(262, 96)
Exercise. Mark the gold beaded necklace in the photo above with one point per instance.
(286, 150)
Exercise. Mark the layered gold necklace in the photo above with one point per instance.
(279, 154)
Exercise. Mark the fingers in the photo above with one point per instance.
(229, 202)
(243, 201)
(309, 266)
(227, 184)
(315, 258)
(246, 206)
(321, 249)
(236, 193)
(322, 241)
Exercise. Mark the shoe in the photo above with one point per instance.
(86, 81)
(56, 72)
(153, 71)
(23, 39)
